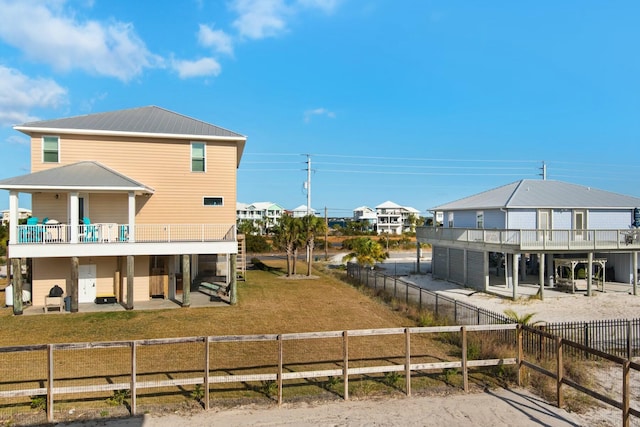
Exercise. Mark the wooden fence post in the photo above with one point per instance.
(406, 288)
(559, 372)
(407, 361)
(465, 373)
(50, 383)
(279, 370)
(345, 363)
(520, 354)
(626, 368)
(134, 368)
(206, 373)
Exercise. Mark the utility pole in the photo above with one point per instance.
(308, 184)
(544, 171)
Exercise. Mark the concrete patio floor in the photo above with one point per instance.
(198, 299)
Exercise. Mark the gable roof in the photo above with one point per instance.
(137, 122)
(81, 176)
(531, 193)
(388, 205)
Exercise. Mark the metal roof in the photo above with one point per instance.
(149, 120)
(81, 176)
(530, 193)
(138, 122)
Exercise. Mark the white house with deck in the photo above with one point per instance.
(567, 232)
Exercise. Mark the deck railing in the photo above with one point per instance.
(100, 233)
(535, 239)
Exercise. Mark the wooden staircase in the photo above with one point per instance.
(241, 262)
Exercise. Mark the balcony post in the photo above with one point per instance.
(73, 216)
(541, 275)
(132, 216)
(634, 254)
(589, 270)
(13, 216)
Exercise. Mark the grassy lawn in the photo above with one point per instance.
(268, 303)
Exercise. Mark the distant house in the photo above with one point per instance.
(128, 205)
(565, 230)
(392, 218)
(22, 214)
(366, 216)
(302, 211)
(264, 215)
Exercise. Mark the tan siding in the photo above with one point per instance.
(57, 271)
(45, 205)
(164, 165)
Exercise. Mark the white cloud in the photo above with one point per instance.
(216, 39)
(18, 140)
(260, 18)
(318, 112)
(326, 5)
(19, 94)
(199, 68)
(47, 33)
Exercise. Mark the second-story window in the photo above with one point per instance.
(50, 149)
(197, 157)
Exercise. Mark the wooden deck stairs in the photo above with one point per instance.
(241, 263)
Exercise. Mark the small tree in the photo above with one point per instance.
(311, 227)
(287, 236)
(366, 252)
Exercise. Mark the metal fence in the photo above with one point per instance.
(619, 337)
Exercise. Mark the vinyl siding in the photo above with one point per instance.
(562, 220)
(164, 165)
(57, 271)
(494, 219)
(609, 219)
(522, 219)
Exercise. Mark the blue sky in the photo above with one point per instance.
(418, 102)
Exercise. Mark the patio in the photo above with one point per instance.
(198, 300)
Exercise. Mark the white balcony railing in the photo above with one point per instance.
(101, 233)
(535, 239)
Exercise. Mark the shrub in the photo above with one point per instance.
(257, 244)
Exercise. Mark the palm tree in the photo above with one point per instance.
(525, 319)
(366, 252)
(311, 227)
(288, 237)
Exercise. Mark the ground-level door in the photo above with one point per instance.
(87, 283)
(159, 277)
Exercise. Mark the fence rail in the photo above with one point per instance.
(283, 361)
(620, 337)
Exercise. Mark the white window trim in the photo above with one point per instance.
(42, 147)
(204, 147)
(213, 197)
(479, 214)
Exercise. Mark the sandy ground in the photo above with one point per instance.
(491, 408)
(616, 303)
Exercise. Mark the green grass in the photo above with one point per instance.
(268, 303)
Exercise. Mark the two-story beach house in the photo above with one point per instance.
(559, 232)
(263, 215)
(392, 218)
(127, 205)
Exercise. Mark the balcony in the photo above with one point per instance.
(102, 239)
(532, 240)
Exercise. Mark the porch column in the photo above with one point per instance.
(132, 216)
(233, 292)
(75, 266)
(541, 268)
(186, 281)
(464, 267)
(485, 270)
(635, 272)
(523, 267)
(515, 273)
(73, 216)
(16, 267)
(130, 281)
(589, 271)
(13, 216)
(417, 257)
